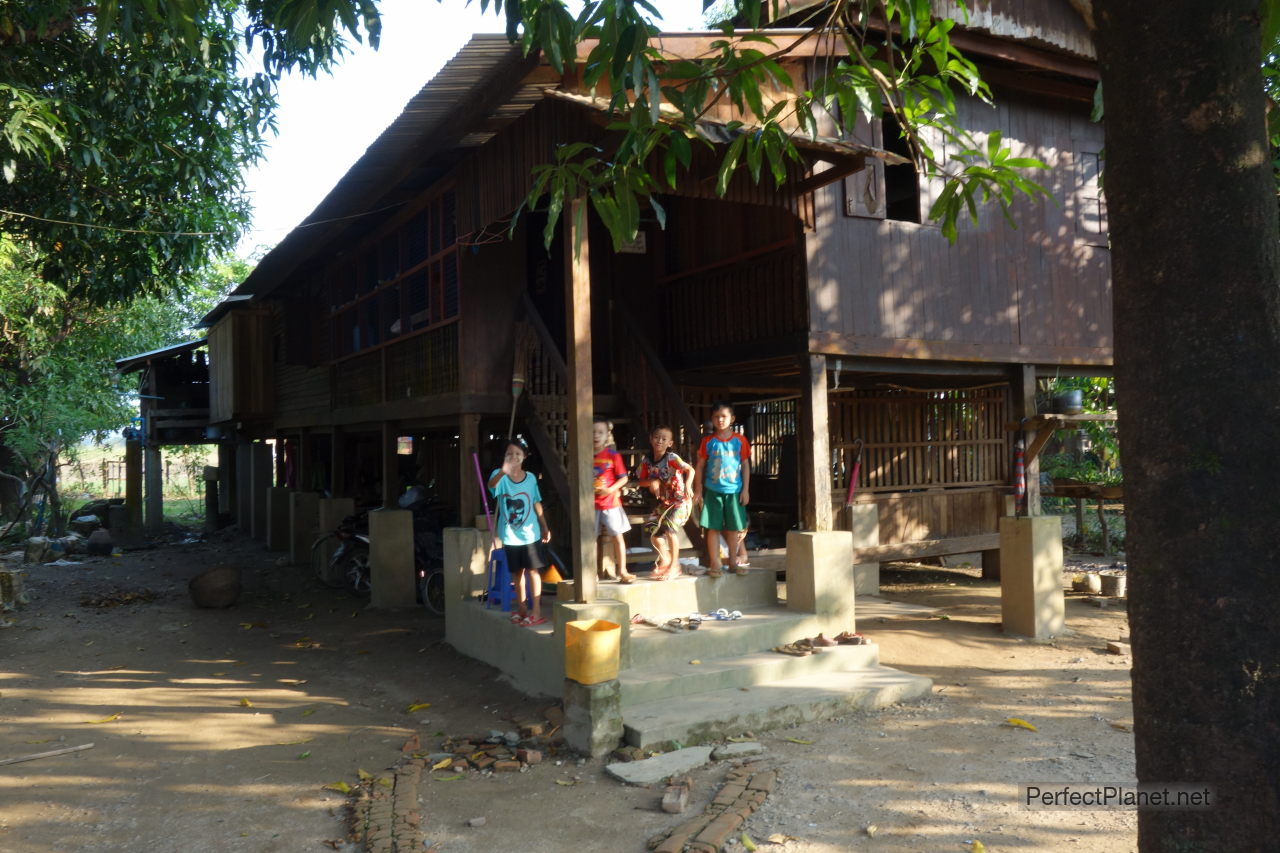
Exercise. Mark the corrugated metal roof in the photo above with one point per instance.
(130, 363)
(425, 129)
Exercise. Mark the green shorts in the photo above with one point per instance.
(722, 512)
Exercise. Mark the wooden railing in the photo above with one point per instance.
(647, 389)
(547, 394)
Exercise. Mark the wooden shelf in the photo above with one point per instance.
(1044, 426)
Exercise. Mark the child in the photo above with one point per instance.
(610, 475)
(670, 479)
(521, 524)
(723, 488)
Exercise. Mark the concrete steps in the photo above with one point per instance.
(817, 694)
(685, 595)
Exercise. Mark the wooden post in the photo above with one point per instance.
(1024, 406)
(153, 473)
(577, 296)
(133, 488)
(390, 474)
(469, 505)
(303, 471)
(814, 446)
(226, 476)
(338, 465)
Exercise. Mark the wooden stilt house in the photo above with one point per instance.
(830, 311)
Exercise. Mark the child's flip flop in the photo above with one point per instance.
(533, 623)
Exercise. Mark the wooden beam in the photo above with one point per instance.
(920, 549)
(736, 382)
(834, 343)
(577, 295)
(1023, 400)
(469, 505)
(813, 440)
(338, 465)
(153, 468)
(133, 488)
(389, 473)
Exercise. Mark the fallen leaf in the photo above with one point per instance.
(306, 754)
(747, 843)
(417, 706)
(943, 617)
(453, 778)
(363, 652)
(45, 740)
(1121, 727)
(779, 838)
(870, 830)
(293, 682)
(245, 703)
(799, 740)
(219, 674)
(695, 661)
(308, 712)
(384, 782)
(113, 717)
(245, 626)
(1019, 723)
(738, 739)
(294, 742)
(340, 787)
(364, 775)
(239, 663)
(442, 763)
(977, 846)
(566, 782)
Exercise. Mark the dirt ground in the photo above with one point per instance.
(219, 729)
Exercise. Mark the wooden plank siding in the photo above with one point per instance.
(1038, 293)
(240, 380)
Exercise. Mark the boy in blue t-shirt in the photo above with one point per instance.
(722, 485)
(521, 525)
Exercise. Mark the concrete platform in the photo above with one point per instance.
(703, 717)
(759, 628)
(678, 678)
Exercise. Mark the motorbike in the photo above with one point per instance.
(348, 566)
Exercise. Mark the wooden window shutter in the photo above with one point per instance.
(864, 190)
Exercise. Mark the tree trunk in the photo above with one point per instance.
(1195, 271)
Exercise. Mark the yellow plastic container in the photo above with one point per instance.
(591, 650)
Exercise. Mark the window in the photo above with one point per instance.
(881, 191)
(404, 283)
(1090, 203)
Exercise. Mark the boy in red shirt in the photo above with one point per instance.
(723, 487)
(609, 475)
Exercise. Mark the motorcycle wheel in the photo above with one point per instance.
(431, 591)
(324, 554)
(352, 566)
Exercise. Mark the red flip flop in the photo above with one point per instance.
(530, 623)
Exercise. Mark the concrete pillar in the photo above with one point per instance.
(304, 526)
(466, 553)
(820, 575)
(261, 476)
(153, 500)
(1031, 597)
(864, 523)
(210, 498)
(244, 483)
(391, 558)
(133, 489)
(226, 476)
(991, 558)
(278, 527)
(118, 521)
(329, 514)
(593, 717)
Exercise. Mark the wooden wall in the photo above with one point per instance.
(240, 382)
(1037, 293)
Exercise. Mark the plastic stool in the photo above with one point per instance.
(500, 590)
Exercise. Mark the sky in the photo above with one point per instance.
(325, 124)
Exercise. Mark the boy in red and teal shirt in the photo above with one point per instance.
(609, 475)
(722, 485)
